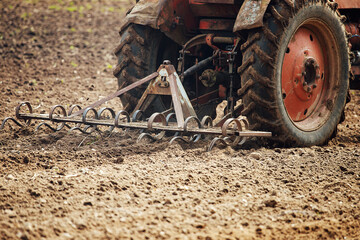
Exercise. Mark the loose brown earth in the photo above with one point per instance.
(69, 186)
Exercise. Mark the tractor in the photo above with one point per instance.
(282, 68)
(290, 63)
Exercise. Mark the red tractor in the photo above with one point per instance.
(288, 61)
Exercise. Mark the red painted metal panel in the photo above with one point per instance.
(216, 24)
(348, 4)
(216, 1)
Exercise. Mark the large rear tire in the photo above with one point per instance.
(140, 52)
(295, 72)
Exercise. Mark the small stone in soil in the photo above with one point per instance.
(33, 193)
(270, 203)
(255, 155)
(26, 159)
(344, 169)
(10, 177)
(119, 160)
(88, 204)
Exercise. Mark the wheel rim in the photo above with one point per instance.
(309, 75)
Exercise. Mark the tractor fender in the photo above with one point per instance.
(145, 12)
(160, 14)
(251, 14)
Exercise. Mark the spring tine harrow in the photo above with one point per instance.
(10, 119)
(180, 121)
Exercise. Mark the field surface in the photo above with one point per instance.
(71, 186)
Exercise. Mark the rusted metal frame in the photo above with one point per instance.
(348, 4)
(216, 24)
(175, 99)
(203, 99)
(171, 85)
(219, 10)
(237, 112)
(251, 15)
(215, 1)
(144, 125)
(118, 93)
(182, 105)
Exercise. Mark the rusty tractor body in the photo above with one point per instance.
(284, 68)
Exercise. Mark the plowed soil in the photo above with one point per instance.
(72, 186)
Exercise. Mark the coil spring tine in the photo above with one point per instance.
(151, 121)
(84, 131)
(48, 126)
(117, 118)
(88, 110)
(51, 117)
(138, 115)
(143, 135)
(195, 137)
(207, 122)
(112, 112)
(214, 141)
(17, 111)
(12, 119)
(178, 138)
(71, 109)
(169, 117)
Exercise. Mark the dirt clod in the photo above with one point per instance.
(270, 203)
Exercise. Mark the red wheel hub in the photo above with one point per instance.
(303, 74)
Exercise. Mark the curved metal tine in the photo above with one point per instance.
(12, 119)
(234, 139)
(150, 122)
(206, 122)
(71, 109)
(112, 112)
(94, 127)
(84, 131)
(138, 115)
(46, 125)
(168, 118)
(245, 122)
(51, 116)
(195, 137)
(88, 110)
(214, 141)
(147, 135)
(178, 138)
(116, 121)
(242, 141)
(17, 112)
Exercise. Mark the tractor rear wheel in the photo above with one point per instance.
(295, 72)
(141, 51)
